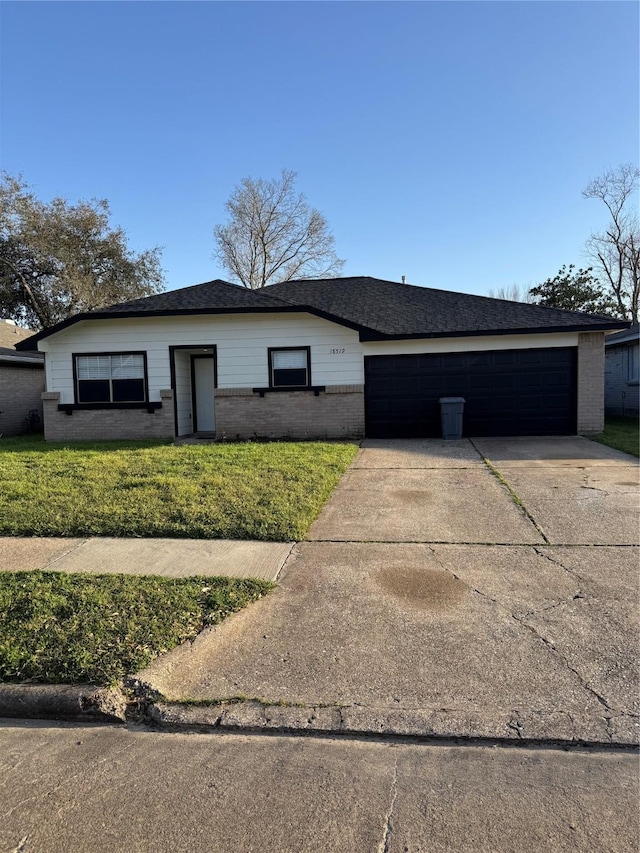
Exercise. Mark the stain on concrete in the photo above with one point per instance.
(413, 496)
(425, 589)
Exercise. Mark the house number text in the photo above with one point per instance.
(338, 350)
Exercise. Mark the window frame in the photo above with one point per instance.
(272, 350)
(111, 404)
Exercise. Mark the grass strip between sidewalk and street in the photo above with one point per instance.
(268, 491)
(75, 628)
(621, 434)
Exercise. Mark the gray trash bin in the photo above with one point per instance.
(451, 409)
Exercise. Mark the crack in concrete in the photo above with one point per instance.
(387, 829)
(554, 606)
(587, 478)
(557, 562)
(566, 663)
(520, 619)
(65, 783)
(466, 583)
(515, 725)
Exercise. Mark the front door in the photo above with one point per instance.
(202, 371)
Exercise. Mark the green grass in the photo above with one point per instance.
(622, 434)
(73, 628)
(250, 490)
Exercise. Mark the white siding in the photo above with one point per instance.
(470, 344)
(241, 340)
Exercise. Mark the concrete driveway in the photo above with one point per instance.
(484, 588)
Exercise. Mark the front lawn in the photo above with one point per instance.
(247, 490)
(621, 434)
(73, 628)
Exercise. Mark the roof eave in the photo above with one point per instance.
(17, 360)
(29, 343)
(372, 335)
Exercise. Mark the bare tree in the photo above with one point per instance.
(513, 293)
(273, 235)
(615, 252)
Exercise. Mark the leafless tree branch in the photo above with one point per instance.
(616, 250)
(272, 234)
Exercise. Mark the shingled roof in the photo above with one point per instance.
(217, 295)
(377, 309)
(391, 309)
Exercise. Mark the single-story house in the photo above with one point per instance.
(328, 358)
(622, 373)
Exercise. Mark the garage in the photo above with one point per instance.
(507, 392)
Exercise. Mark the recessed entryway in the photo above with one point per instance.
(194, 378)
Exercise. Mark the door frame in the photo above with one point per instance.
(172, 370)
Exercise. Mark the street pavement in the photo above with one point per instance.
(69, 789)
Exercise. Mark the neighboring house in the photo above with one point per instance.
(11, 333)
(622, 379)
(21, 382)
(327, 358)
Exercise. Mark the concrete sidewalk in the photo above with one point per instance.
(176, 558)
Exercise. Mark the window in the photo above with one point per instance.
(289, 368)
(117, 378)
(634, 373)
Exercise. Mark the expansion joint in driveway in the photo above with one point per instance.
(513, 495)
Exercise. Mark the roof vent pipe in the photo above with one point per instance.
(404, 279)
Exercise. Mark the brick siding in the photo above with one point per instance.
(590, 382)
(337, 412)
(20, 390)
(107, 424)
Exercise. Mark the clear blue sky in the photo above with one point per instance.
(445, 141)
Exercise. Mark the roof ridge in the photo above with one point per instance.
(423, 288)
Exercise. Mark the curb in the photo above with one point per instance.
(78, 702)
(88, 703)
(533, 728)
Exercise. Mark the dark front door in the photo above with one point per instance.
(507, 392)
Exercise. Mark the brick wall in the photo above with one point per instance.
(107, 424)
(20, 390)
(621, 396)
(337, 412)
(590, 382)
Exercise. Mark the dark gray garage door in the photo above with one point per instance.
(507, 392)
